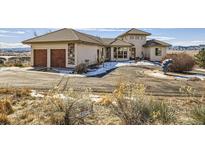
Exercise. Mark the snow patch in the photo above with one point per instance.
(35, 94)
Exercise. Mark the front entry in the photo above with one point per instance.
(58, 58)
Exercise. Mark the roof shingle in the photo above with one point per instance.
(151, 43)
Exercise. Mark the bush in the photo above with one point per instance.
(200, 58)
(5, 106)
(81, 68)
(4, 120)
(198, 114)
(181, 62)
(133, 107)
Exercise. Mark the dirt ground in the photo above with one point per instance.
(106, 84)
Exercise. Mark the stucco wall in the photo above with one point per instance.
(147, 52)
(138, 43)
(87, 52)
(153, 57)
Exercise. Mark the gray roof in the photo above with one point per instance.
(135, 31)
(151, 43)
(107, 41)
(65, 35)
(119, 42)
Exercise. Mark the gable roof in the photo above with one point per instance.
(151, 43)
(135, 31)
(107, 41)
(64, 35)
(119, 42)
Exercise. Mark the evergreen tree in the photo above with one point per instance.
(200, 58)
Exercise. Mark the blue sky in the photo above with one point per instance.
(11, 37)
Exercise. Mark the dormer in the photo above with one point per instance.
(134, 34)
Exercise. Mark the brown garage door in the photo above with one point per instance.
(58, 58)
(40, 58)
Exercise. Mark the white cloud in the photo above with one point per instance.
(162, 38)
(12, 45)
(104, 29)
(146, 29)
(11, 32)
(3, 35)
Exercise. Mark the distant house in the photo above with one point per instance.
(68, 48)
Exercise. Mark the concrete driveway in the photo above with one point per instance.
(43, 81)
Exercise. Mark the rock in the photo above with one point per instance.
(194, 79)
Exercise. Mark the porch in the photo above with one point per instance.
(118, 53)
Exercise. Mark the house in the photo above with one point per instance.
(68, 48)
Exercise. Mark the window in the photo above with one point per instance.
(158, 52)
(120, 54)
(125, 54)
(136, 37)
(131, 37)
(102, 53)
(115, 52)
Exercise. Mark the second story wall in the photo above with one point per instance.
(137, 40)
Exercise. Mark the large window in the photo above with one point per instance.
(131, 37)
(158, 52)
(125, 54)
(71, 54)
(120, 53)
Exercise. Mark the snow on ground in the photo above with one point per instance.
(101, 70)
(14, 68)
(200, 69)
(159, 74)
(108, 66)
(35, 94)
(202, 77)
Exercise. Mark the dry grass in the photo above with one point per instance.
(128, 104)
(3, 119)
(19, 92)
(192, 53)
(5, 106)
(133, 106)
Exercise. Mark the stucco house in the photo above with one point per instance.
(68, 48)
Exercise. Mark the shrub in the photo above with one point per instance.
(200, 58)
(5, 106)
(133, 107)
(181, 62)
(4, 120)
(81, 68)
(18, 65)
(198, 114)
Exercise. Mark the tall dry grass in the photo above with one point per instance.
(134, 107)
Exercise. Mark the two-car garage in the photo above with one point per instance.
(57, 58)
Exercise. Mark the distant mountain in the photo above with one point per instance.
(15, 49)
(199, 47)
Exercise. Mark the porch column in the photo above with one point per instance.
(49, 58)
(112, 51)
(32, 56)
(66, 57)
